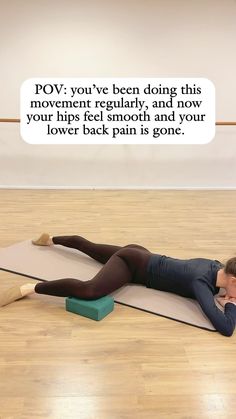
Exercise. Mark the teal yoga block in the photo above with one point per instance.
(93, 309)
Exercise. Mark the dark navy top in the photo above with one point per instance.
(193, 278)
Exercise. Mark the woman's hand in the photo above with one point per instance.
(224, 300)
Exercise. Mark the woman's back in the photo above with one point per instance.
(178, 275)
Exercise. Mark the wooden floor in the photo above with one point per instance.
(132, 364)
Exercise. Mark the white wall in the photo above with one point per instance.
(131, 38)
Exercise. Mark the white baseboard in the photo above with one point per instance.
(191, 188)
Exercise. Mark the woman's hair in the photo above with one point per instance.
(230, 266)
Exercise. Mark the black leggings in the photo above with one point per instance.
(121, 265)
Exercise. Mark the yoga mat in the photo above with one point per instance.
(55, 262)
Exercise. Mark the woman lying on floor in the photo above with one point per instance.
(197, 278)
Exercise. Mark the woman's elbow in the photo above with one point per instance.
(227, 332)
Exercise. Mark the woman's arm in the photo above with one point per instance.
(223, 322)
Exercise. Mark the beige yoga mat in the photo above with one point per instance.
(55, 262)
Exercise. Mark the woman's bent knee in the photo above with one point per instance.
(87, 291)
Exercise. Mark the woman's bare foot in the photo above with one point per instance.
(43, 240)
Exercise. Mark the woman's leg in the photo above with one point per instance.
(127, 264)
(99, 252)
(124, 266)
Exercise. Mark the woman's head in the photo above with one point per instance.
(230, 267)
(230, 271)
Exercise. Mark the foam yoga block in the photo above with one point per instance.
(94, 309)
